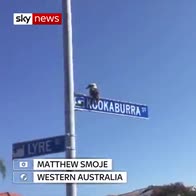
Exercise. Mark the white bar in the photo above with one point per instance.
(72, 164)
(80, 177)
(22, 19)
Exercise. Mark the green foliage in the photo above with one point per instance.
(177, 189)
(2, 168)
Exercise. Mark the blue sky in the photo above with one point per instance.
(137, 51)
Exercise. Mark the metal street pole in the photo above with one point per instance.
(71, 189)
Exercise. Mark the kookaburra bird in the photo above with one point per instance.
(93, 92)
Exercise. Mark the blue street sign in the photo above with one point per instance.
(83, 103)
(38, 147)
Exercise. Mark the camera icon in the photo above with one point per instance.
(23, 164)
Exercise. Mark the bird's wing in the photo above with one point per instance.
(94, 92)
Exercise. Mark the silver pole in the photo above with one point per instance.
(71, 189)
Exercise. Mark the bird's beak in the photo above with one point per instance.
(87, 87)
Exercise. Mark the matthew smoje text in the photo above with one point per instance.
(74, 164)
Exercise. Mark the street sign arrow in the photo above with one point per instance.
(38, 147)
(83, 103)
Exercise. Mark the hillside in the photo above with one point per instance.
(176, 189)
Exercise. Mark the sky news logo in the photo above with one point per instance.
(37, 18)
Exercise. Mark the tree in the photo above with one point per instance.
(2, 168)
(177, 189)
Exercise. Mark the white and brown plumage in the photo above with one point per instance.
(93, 92)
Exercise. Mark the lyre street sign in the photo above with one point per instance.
(83, 103)
(38, 147)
